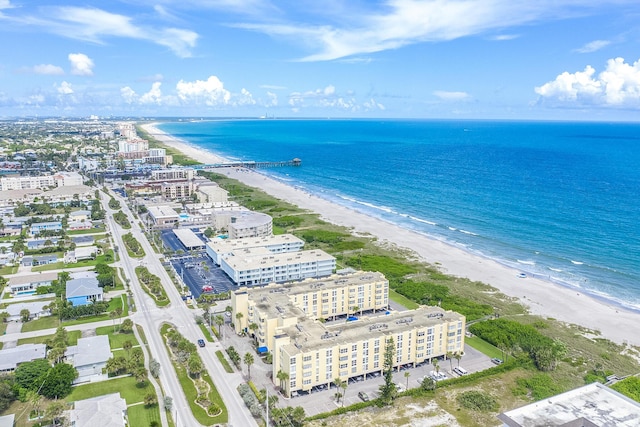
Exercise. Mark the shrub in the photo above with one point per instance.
(478, 401)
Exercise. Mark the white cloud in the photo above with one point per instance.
(128, 94)
(154, 96)
(504, 37)
(65, 88)
(48, 69)
(245, 98)
(273, 87)
(210, 92)
(272, 99)
(96, 25)
(593, 46)
(451, 96)
(617, 85)
(392, 24)
(81, 64)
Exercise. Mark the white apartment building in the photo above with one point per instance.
(247, 224)
(130, 146)
(27, 182)
(173, 173)
(280, 243)
(259, 266)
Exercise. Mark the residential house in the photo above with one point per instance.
(81, 215)
(109, 410)
(10, 358)
(33, 261)
(83, 291)
(39, 227)
(89, 357)
(80, 225)
(27, 284)
(36, 310)
(81, 253)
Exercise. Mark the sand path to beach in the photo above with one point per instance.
(541, 297)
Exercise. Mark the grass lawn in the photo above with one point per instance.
(402, 300)
(40, 324)
(72, 338)
(224, 362)
(484, 347)
(113, 304)
(8, 270)
(128, 388)
(141, 333)
(116, 339)
(3, 328)
(106, 258)
(141, 415)
(93, 230)
(205, 332)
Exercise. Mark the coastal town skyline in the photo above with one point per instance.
(561, 60)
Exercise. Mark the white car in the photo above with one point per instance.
(438, 376)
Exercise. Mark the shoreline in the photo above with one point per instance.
(540, 297)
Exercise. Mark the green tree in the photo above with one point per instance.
(150, 399)
(59, 381)
(154, 368)
(127, 326)
(407, 374)
(6, 392)
(54, 412)
(126, 346)
(283, 377)
(29, 375)
(194, 365)
(25, 315)
(388, 390)
(219, 321)
(248, 360)
(34, 398)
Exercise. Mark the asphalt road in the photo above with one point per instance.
(178, 314)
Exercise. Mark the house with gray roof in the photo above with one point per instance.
(109, 410)
(10, 358)
(7, 420)
(36, 309)
(27, 284)
(83, 291)
(90, 357)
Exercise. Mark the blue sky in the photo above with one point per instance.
(507, 59)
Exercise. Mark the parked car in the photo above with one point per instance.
(364, 396)
(496, 361)
(201, 342)
(460, 370)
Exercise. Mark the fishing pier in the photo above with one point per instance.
(250, 164)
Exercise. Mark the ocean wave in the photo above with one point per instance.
(468, 232)
(557, 270)
(424, 221)
(526, 262)
(452, 228)
(576, 262)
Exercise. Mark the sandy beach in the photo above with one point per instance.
(541, 297)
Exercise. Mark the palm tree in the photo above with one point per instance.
(248, 360)
(407, 374)
(338, 382)
(55, 411)
(34, 398)
(283, 377)
(457, 356)
(127, 345)
(219, 321)
(436, 365)
(239, 317)
(450, 357)
(344, 391)
(254, 327)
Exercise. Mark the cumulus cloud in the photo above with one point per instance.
(81, 64)
(128, 95)
(65, 88)
(210, 92)
(593, 46)
(48, 69)
(617, 85)
(244, 98)
(272, 100)
(154, 96)
(451, 96)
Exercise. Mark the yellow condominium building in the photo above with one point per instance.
(280, 305)
(310, 353)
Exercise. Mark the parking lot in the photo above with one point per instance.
(199, 271)
(173, 244)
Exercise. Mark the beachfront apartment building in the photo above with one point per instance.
(133, 146)
(312, 353)
(259, 266)
(173, 173)
(280, 305)
(280, 243)
(247, 224)
(210, 192)
(27, 182)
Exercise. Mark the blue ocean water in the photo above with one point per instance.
(554, 199)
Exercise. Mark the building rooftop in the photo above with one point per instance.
(591, 405)
(90, 351)
(33, 307)
(101, 411)
(82, 287)
(45, 276)
(248, 219)
(256, 258)
(7, 420)
(188, 238)
(229, 245)
(69, 190)
(162, 211)
(12, 357)
(309, 335)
